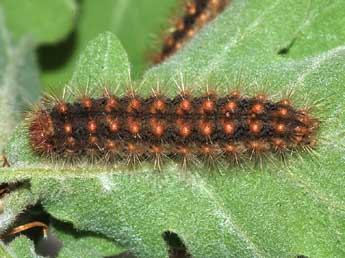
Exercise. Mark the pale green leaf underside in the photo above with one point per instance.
(277, 211)
(19, 82)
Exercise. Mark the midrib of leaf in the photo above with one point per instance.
(230, 226)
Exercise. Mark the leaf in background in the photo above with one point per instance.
(45, 21)
(274, 211)
(19, 81)
(134, 22)
(20, 247)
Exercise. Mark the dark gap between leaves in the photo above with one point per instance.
(51, 246)
(177, 249)
(52, 57)
(32, 213)
(7, 188)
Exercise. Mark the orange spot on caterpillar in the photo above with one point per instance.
(133, 125)
(255, 127)
(208, 150)
(207, 106)
(191, 8)
(133, 149)
(300, 131)
(279, 144)
(206, 128)
(261, 97)
(92, 126)
(156, 149)
(184, 106)
(230, 148)
(283, 112)
(68, 128)
(114, 126)
(111, 145)
(113, 123)
(62, 107)
(259, 146)
(230, 106)
(86, 102)
(184, 129)
(235, 94)
(112, 104)
(134, 105)
(280, 128)
(285, 102)
(157, 127)
(183, 151)
(258, 108)
(229, 127)
(157, 106)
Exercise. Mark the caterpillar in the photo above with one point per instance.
(197, 14)
(133, 127)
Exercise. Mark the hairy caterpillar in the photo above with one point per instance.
(133, 127)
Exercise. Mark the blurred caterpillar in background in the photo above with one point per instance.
(197, 14)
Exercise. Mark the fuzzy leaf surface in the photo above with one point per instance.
(83, 244)
(20, 247)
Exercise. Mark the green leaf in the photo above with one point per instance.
(277, 210)
(20, 247)
(4, 252)
(104, 62)
(19, 81)
(13, 204)
(82, 244)
(134, 22)
(45, 21)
